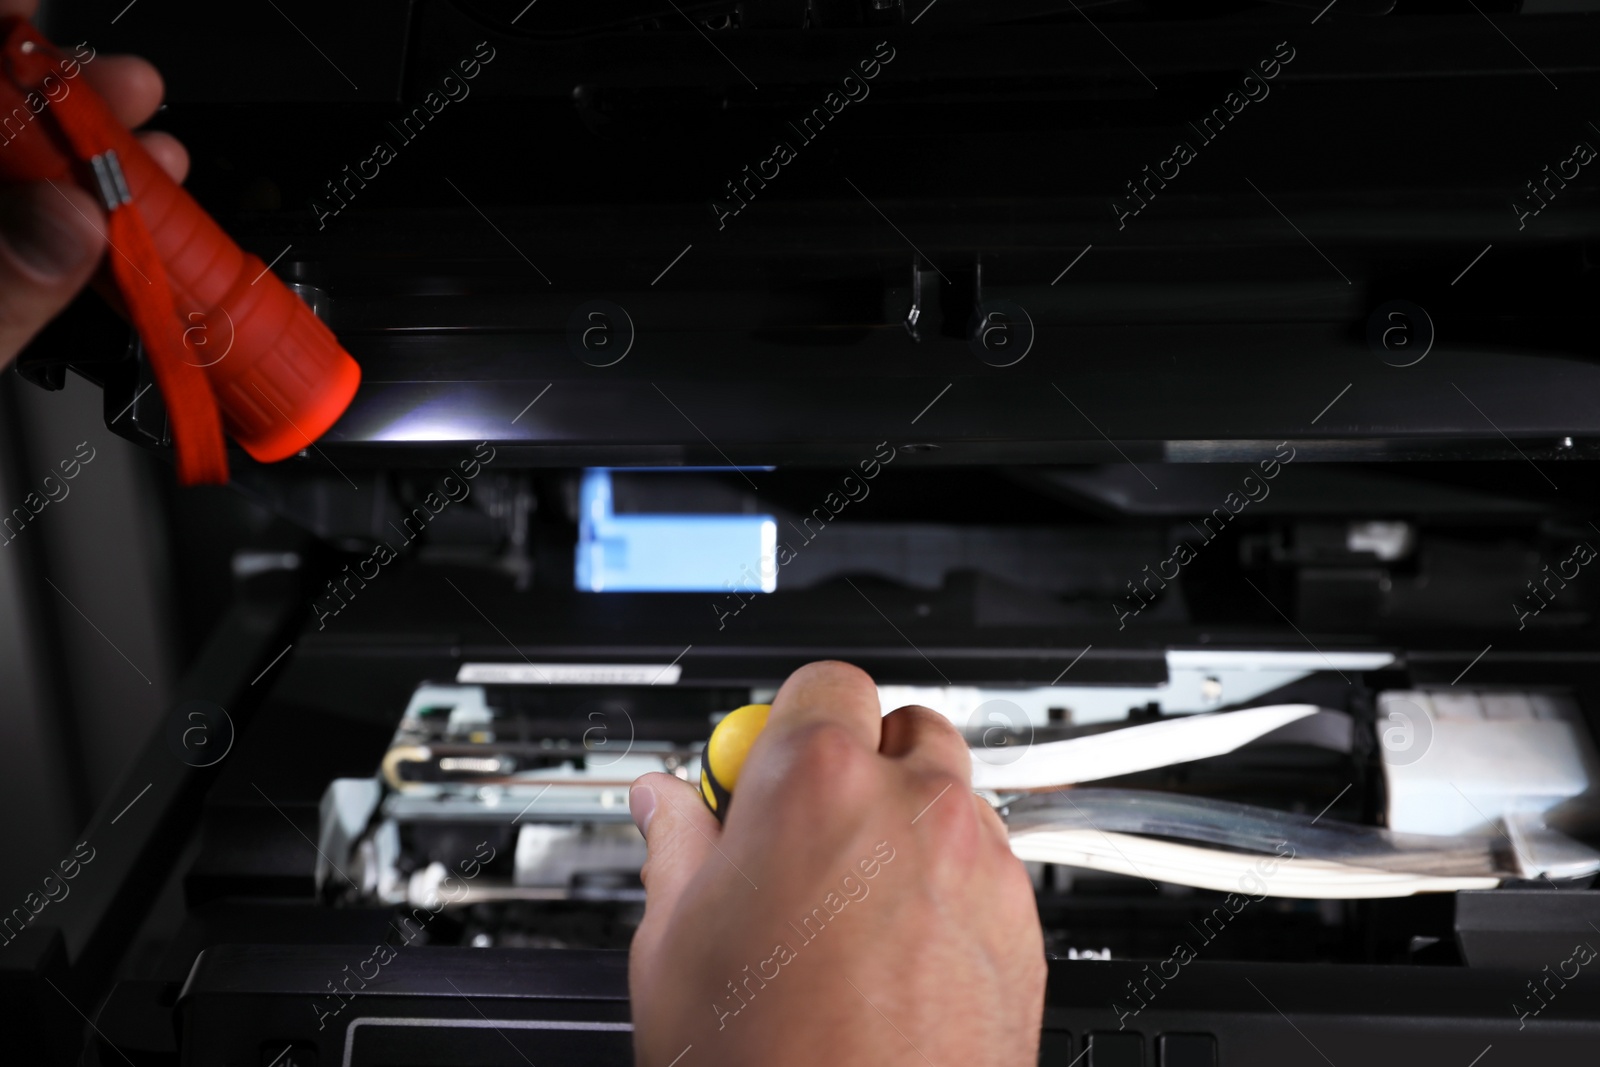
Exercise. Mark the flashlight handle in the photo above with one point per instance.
(278, 374)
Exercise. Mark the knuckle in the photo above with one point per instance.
(825, 765)
(938, 744)
(947, 812)
(827, 747)
(921, 728)
(645, 872)
(933, 721)
(830, 670)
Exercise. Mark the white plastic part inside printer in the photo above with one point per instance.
(1492, 762)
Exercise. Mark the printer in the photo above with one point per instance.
(1074, 368)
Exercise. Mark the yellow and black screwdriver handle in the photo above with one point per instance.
(725, 754)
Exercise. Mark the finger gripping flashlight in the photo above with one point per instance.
(283, 380)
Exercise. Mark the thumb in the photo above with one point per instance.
(679, 832)
(50, 239)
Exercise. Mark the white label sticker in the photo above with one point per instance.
(570, 673)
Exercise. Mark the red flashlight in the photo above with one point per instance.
(283, 379)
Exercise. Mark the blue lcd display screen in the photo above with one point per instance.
(669, 553)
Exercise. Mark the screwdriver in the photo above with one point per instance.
(725, 753)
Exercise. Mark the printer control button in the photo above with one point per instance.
(1116, 1050)
(1186, 1050)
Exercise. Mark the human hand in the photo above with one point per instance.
(52, 233)
(860, 906)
